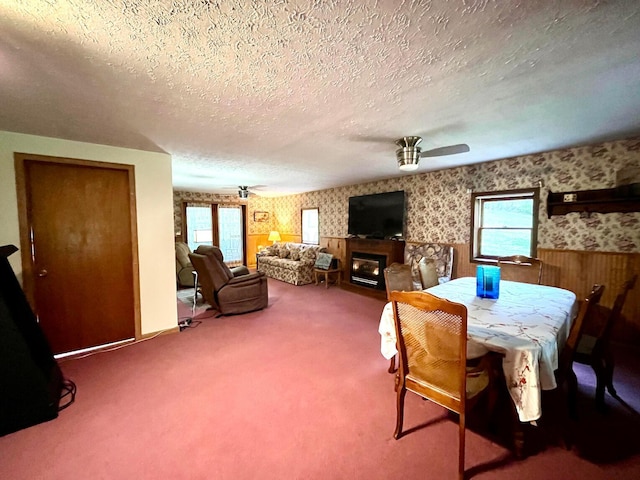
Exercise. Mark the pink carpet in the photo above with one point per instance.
(296, 391)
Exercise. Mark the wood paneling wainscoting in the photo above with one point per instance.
(578, 271)
(262, 239)
(253, 241)
(570, 269)
(337, 246)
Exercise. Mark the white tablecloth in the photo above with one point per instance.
(528, 324)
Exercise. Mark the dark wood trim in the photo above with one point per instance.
(215, 235)
(183, 223)
(515, 194)
(245, 229)
(625, 198)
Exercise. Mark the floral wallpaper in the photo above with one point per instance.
(254, 204)
(438, 203)
(260, 204)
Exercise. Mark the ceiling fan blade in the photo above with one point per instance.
(372, 139)
(450, 150)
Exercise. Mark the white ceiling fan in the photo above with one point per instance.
(409, 153)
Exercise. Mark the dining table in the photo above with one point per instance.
(527, 325)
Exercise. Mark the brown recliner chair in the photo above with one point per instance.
(228, 290)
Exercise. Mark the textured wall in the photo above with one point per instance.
(438, 207)
(306, 95)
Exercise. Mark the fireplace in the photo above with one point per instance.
(367, 270)
(364, 262)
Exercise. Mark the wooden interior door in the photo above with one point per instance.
(79, 258)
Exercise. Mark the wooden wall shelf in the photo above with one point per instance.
(625, 198)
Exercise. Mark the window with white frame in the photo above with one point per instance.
(504, 223)
(310, 226)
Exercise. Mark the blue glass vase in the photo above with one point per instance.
(487, 281)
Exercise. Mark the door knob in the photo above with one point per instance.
(42, 273)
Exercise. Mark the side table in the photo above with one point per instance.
(318, 272)
(258, 255)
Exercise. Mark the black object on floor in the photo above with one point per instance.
(30, 377)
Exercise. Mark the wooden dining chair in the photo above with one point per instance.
(432, 346)
(397, 276)
(564, 373)
(594, 349)
(520, 268)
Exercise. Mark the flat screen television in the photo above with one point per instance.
(379, 215)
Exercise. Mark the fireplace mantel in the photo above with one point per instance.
(392, 250)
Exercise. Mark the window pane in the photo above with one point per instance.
(508, 213)
(203, 236)
(502, 243)
(230, 233)
(199, 226)
(310, 233)
(504, 223)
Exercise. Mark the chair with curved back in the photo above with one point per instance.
(595, 350)
(428, 273)
(564, 373)
(441, 254)
(520, 268)
(230, 291)
(432, 346)
(398, 276)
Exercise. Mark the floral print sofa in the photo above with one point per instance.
(290, 262)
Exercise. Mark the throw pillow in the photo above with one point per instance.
(272, 250)
(294, 253)
(308, 255)
(283, 252)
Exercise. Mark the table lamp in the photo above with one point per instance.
(274, 236)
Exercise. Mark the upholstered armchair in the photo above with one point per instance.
(441, 254)
(184, 268)
(230, 291)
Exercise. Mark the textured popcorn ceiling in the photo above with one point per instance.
(291, 96)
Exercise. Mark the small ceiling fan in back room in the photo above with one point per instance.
(409, 153)
(245, 191)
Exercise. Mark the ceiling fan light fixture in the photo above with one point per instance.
(408, 158)
(243, 192)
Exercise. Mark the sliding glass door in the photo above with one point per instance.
(217, 224)
(199, 226)
(231, 233)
